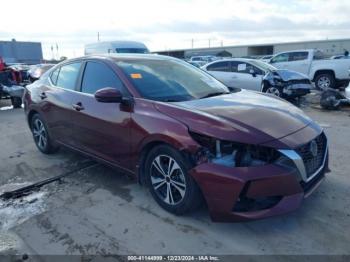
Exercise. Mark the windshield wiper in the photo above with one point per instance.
(169, 100)
(214, 94)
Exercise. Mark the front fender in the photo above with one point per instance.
(180, 143)
(314, 70)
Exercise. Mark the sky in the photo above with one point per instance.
(171, 24)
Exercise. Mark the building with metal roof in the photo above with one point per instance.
(21, 52)
(329, 47)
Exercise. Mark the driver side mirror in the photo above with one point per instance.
(252, 72)
(108, 95)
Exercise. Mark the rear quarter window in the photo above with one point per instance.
(54, 75)
(298, 56)
(68, 75)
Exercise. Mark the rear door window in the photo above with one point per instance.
(298, 56)
(245, 68)
(68, 75)
(280, 58)
(97, 76)
(234, 66)
(223, 66)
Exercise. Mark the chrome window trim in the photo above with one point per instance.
(299, 163)
(297, 160)
(62, 88)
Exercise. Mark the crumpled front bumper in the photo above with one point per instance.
(295, 90)
(275, 190)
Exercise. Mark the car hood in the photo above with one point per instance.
(288, 75)
(244, 116)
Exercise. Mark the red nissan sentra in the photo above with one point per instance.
(182, 133)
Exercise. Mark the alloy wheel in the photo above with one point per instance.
(168, 179)
(39, 133)
(274, 91)
(324, 82)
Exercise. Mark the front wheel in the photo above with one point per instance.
(170, 184)
(273, 90)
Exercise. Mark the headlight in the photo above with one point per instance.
(235, 154)
(278, 81)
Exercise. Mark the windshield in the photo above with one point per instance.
(264, 66)
(132, 50)
(170, 80)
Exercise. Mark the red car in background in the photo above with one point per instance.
(182, 133)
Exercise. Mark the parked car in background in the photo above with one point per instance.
(326, 73)
(337, 57)
(204, 59)
(182, 133)
(116, 47)
(36, 71)
(196, 63)
(10, 84)
(340, 57)
(266, 58)
(23, 71)
(259, 76)
(11, 91)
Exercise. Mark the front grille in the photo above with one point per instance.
(300, 81)
(313, 163)
(245, 204)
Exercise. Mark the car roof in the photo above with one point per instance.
(120, 44)
(232, 59)
(119, 57)
(299, 50)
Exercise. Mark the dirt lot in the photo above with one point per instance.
(99, 211)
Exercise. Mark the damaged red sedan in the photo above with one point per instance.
(182, 133)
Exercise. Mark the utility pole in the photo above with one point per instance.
(57, 54)
(98, 36)
(192, 40)
(209, 41)
(53, 55)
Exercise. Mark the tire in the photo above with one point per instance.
(176, 192)
(16, 102)
(273, 90)
(324, 81)
(41, 136)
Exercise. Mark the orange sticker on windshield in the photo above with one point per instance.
(136, 76)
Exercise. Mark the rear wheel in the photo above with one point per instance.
(170, 184)
(324, 81)
(41, 136)
(16, 102)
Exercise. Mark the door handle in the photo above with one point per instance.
(78, 106)
(43, 95)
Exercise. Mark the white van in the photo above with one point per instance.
(115, 47)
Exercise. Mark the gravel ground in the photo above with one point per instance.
(101, 211)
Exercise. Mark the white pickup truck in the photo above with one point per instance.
(326, 73)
